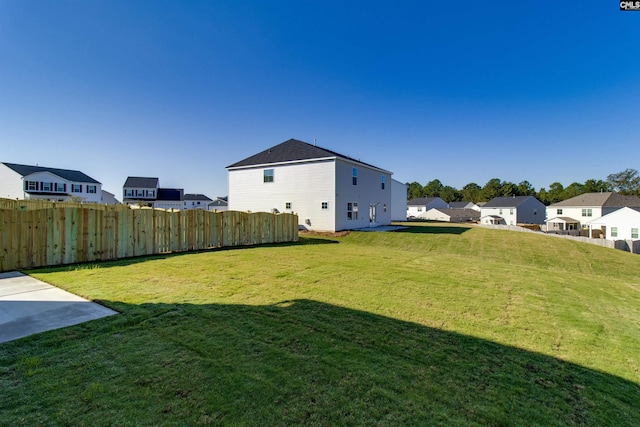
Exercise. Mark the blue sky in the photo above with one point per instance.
(459, 91)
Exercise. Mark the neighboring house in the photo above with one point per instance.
(451, 215)
(576, 212)
(622, 224)
(38, 182)
(327, 190)
(141, 191)
(109, 198)
(464, 205)
(418, 206)
(512, 211)
(219, 204)
(398, 201)
(196, 201)
(169, 198)
(145, 191)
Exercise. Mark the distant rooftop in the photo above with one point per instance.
(197, 197)
(141, 182)
(68, 174)
(506, 202)
(293, 150)
(608, 198)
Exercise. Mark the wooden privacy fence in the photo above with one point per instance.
(68, 235)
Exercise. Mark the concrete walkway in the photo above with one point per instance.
(29, 306)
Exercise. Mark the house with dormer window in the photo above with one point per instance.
(327, 190)
(38, 182)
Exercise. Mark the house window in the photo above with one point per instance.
(559, 212)
(76, 188)
(127, 193)
(500, 212)
(354, 176)
(287, 205)
(60, 188)
(46, 186)
(384, 207)
(268, 175)
(382, 182)
(586, 212)
(352, 211)
(325, 205)
(614, 231)
(510, 211)
(32, 186)
(634, 233)
(91, 189)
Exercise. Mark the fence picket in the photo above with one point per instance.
(40, 233)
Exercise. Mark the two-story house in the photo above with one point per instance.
(327, 190)
(576, 212)
(196, 201)
(416, 208)
(141, 191)
(38, 182)
(512, 211)
(146, 191)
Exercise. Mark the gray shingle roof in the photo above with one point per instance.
(506, 202)
(290, 151)
(458, 205)
(609, 199)
(69, 175)
(459, 213)
(141, 182)
(196, 197)
(421, 201)
(219, 202)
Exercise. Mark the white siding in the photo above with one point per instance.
(398, 201)
(305, 185)
(436, 203)
(435, 215)
(10, 183)
(168, 204)
(485, 213)
(624, 220)
(368, 192)
(574, 213)
(12, 186)
(54, 179)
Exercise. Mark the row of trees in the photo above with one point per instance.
(625, 182)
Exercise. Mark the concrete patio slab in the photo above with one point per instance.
(29, 306)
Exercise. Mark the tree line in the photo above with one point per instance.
(626, 182)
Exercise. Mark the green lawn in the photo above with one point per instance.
(436, 325)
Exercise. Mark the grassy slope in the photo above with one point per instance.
(442, 325)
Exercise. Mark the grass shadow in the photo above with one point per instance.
(299, 362)
(432, 228)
